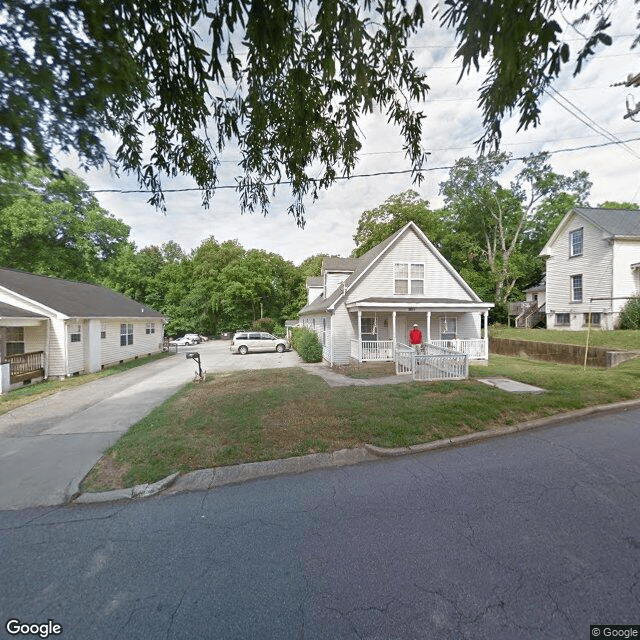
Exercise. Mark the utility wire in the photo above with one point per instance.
(363, 175)
(578, 113)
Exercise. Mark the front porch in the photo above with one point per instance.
(458, 328)
(385, 350)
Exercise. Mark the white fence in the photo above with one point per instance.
(372, 350)
(432, 363)
(474, 349)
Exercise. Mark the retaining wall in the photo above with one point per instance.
(602, 357)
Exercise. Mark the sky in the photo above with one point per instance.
(453, 123)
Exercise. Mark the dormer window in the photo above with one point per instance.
(409, 278)
(575, 243)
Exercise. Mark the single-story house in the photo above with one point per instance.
(363, 308)
(54, 328)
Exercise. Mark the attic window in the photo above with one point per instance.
(575, 243)
(409, 278)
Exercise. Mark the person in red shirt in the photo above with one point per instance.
(415, 336)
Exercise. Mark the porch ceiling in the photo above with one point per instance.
(408, 305)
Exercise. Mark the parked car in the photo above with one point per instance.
(245, 341)
(181, 342)
(194, 337)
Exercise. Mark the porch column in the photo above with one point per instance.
(428, 327)
(486, 335)
(393, 329)
(359, 336)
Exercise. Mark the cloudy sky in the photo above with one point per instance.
(592, 115)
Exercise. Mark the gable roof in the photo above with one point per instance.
(74, 299)
(9, 311)
(315, 281)
(365, 261)
(617, 223)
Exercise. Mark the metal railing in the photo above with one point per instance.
(431, 362)
(24, 366)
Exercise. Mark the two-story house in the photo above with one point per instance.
(362, 308)
(593, 267)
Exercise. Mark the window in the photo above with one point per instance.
(575, 243)
(103, 330)
(576, 288)
(448, 328)
(75, 332)
(15, 341)
(126, 334)
(563, 320)
(150, 328)
(596, 319)
(409, 278)
(368, 329)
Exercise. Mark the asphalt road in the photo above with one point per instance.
(531, 536)
(48, 446)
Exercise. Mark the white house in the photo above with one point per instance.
(365, 307)
(56, 328)
(593, 267)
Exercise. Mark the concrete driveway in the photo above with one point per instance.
(48, 446)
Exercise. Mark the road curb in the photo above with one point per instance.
(494, 433)
(205, 479)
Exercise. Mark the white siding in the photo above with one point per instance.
(344, 328)
(332, 281)
(439, 282)
(56, 351)
(111, 350)
(313, 293)
(34, 338)
(596, 266)
(625, 280)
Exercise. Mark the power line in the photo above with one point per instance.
(362, 175)
(578, 113)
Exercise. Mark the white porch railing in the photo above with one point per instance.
(475, 349)
(432, 363)
(372, 350)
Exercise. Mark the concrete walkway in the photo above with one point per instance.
(48, 446)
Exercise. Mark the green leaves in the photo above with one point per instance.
(166, 76)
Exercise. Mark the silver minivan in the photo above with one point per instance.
(245, 341)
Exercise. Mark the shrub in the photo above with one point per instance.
(630, 315)
(307, 344)
(264, 324)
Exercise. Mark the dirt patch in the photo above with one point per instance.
(106, 475)
(292, 423)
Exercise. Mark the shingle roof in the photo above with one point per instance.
(358, 265)
(315, 281)
(9, 311)
(617, 222)
(74, 299)
(333, 263)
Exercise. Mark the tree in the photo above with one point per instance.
(72, 69)
(494, 233)
(291, 98)
(377, 224)
(609, 204)
(51, 224)
(526, 47)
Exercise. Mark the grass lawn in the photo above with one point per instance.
(263, 415)
(629, 340)
(25, 395)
